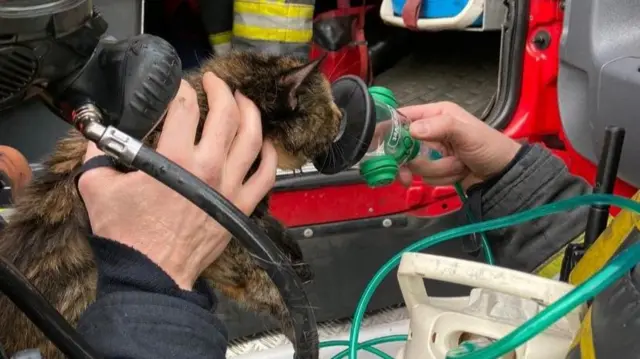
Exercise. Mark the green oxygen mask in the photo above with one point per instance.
(392, 145)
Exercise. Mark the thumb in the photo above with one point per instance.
(440, 128)
(95, 178)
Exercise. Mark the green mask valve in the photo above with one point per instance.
(392, 144)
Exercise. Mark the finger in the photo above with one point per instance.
(418, 112)
(261, 182)
(405, 176)
(180, 123)
(93, 180)
(445, 167)
(438, 147)
(247, 144)
(441, 128)
(222, 120)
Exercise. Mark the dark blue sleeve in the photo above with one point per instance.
(141, 313)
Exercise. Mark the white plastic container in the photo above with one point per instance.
(502, 300)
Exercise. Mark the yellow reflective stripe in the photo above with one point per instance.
(605, 246)
(552, 267)
(584, 338)
(220, 38)
(269, 8)
(267, 34)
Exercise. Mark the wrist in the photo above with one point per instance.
(520, 151)
(173, 262)
(508, 156)
(177, 266)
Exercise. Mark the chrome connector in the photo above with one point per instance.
(119, 145)
(88, 120)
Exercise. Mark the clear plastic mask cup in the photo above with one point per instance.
(392, 146)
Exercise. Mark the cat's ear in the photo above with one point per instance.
(295, 77)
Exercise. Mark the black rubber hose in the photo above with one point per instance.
(249, 234)
(31, 302)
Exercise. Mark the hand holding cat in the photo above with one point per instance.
(136, 210)
(472, 151)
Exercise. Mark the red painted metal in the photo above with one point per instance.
(536, 119)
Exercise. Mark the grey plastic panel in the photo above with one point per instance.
(599, 77)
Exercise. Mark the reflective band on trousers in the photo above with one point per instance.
(280, 27)
(221, 42)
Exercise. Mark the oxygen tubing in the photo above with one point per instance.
(486, 248)
(367, 345)
(603, 278)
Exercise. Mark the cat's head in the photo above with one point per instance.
(294, 98)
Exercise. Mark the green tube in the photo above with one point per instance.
(513, 219)
(486, 248)
(368, 345)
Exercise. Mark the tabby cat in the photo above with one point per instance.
(46, 238)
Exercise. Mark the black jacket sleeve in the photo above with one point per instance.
(534, 178)
(141, 313)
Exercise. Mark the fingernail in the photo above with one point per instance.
(419, 128)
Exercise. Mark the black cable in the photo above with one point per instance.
(249, 234)
(31, 302)
(604, 182)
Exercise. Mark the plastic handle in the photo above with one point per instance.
(462, 20)
(416, 266)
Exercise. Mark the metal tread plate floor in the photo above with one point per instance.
(456, 67)
(441, 71)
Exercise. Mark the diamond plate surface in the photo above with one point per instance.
(325, 330)
(457, 67)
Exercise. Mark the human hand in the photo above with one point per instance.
(472, 151)
(139, 211)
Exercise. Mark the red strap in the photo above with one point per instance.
(364, 55)
(411, 13)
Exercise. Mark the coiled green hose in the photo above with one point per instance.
(368, 345)
(620, 265)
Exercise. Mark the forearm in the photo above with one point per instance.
(140, 312)
(535, 177)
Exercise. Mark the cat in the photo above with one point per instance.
(45, 238)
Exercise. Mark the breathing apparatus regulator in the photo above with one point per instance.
(115, 92)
